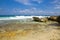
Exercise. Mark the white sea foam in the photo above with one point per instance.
(20, 17)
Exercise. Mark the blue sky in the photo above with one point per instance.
(29, 7)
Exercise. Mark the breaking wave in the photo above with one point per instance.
(20, 17)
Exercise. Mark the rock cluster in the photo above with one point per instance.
(51, 18)
(58, 19)
(55, 18)
(37, 19)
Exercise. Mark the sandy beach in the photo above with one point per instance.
(30, 31)
(29, 19)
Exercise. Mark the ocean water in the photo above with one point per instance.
(8, 19)
(18, 17)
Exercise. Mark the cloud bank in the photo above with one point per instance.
(56, 3)
(28, 2)
(35, 11)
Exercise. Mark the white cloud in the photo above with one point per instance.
(25, 2)
(36, 11)
(57, 7)
(31, 10)
(39, 1)
(28, 2)
(56, 4)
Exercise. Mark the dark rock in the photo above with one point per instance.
(53, 18)
(37, 19)
(58, 19)
(44, 20)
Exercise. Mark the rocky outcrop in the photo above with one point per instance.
(53, 18)
(37, 19)
(44, 20)
(58, 19)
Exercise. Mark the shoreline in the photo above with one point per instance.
(16, 30)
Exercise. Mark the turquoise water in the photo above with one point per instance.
(18, 17)
(9, 19)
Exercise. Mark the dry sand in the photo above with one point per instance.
(30, 31)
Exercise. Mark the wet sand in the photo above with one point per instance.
(30, 31)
